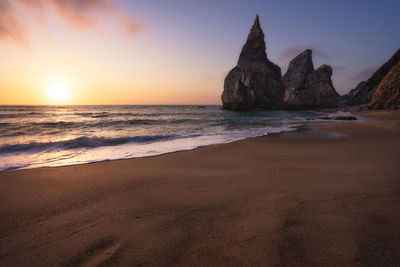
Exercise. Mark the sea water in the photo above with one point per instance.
(45, 136)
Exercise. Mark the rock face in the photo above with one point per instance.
(306, 87)
(344, 99)
(299, 68)
(255, 82)
(354, 91)
(388, 91)
(366, 91)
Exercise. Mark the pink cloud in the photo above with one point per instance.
(77, 13)
(128, 25)
(365, 73)
(33, 3)
(11, 27)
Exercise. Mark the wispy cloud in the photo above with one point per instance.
(365, 73)
(76, 13)
(11, 27)
(339, 68)
(291, 52)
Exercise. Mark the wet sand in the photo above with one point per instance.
(327, 195)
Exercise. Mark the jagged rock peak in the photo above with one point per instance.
(255, 82)
(257, 22)
(306, 87)
(325, 69)
(256, 30)
(299, 68)
(304, 59)
(254, 48)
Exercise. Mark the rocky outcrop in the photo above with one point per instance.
(320, 83)
(364, 94)
(255, 82)
(344, 99)
(388, 91)
(299, 68)
(306, 87)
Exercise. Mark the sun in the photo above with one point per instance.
(58, 92)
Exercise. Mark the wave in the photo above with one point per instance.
(70, 124)
(84, 142)
(75, 125)
(83, 149)
(104, 114)
(133, 114)
(19, 115)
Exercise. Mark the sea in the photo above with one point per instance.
(49, 136)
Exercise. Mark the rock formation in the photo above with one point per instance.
(299, 68)
(364, 93)
(388, 91)
(306, 87)
(255, 82)
(344, 99)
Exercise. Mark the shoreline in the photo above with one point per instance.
(281, 199)
(157, 155)
(295, 128)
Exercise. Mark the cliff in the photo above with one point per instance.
(388, 91)
(364, 93)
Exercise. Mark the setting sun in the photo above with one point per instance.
(207, 133)
(58, 92)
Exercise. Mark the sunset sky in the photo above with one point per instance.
(176, 52)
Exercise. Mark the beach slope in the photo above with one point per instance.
(326, 195)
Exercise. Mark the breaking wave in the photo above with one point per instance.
(83, 142)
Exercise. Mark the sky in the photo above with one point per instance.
(177, 51)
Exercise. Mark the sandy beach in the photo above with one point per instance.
(325, 195)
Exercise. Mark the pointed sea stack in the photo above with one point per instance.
(306, 87)
(255, 82)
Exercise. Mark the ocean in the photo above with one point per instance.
(47, 136)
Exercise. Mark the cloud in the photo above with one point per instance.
(365, 73)
(76, 13)
(340, 68)
(291, 52)
(128, 25)
(11, 27)
(33, 3)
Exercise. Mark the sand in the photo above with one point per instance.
(326, 195)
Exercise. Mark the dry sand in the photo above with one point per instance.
(309, 198)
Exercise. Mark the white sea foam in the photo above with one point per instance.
(33, 137)
(63, 157)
